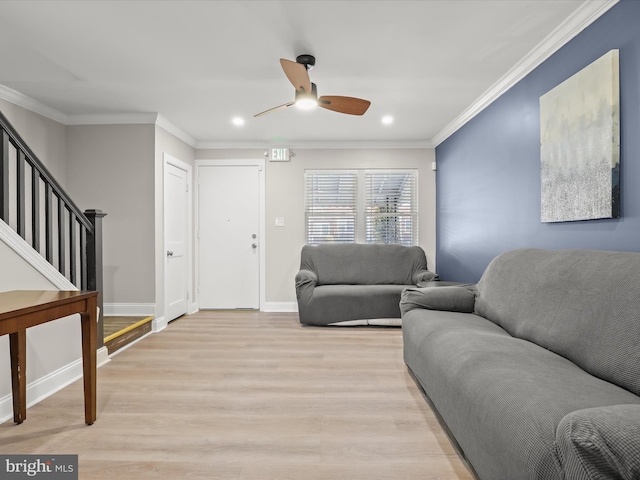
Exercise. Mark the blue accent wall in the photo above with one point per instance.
(488, 177)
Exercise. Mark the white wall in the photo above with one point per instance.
(284, 198)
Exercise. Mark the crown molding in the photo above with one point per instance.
(584, 16)
(213, 145)
(113, 119)
(28, 103)
(133, 119)
(21, 100)
(165, 124)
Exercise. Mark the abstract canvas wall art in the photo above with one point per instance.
(580, 145)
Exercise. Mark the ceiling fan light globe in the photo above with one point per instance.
(306, 103)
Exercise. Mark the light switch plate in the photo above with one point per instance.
(279, 221)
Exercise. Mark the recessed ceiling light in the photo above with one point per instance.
(238, 121)
(387, 120)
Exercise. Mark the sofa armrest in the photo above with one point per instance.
(451, 298)
(424, 276)
(600, 443)
(305, 282)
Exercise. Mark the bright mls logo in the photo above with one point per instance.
(50, 467)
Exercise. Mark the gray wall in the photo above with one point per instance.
(284, 198)
(45, 137)
(111, 167)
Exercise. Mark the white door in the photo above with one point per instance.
(229, 230)
(176, 240)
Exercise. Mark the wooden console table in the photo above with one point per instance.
(21, 309)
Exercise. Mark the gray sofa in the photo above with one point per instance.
(535, 371)
(355, 284)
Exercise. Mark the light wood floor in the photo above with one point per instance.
(248, 396)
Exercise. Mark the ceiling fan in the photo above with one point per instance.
(307, 94)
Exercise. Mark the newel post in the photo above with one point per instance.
(4, 176)
(94, 265)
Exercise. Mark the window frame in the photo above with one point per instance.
(360, 225)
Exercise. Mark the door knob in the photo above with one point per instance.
(169, 253)
(253, 245)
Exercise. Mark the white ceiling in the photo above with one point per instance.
(430, 64)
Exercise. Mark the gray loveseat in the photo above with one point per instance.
(535, 371)
(356, 283)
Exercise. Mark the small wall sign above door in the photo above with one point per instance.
(278, 154)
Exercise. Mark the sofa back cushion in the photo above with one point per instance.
(581, 304)
(363, 264)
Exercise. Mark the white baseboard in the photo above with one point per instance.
(280, 307)
(158, 324)
(46, 386)
(130, 309)
(102, 356)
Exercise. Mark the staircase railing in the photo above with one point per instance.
(34, 205)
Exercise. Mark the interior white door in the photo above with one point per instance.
(176, 238)
(229, 229)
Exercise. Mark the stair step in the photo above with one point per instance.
(125, 331)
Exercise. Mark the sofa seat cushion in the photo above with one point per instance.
(501, 397)
(339, 303)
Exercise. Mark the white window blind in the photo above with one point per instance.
(391, 210)
(364, 206)
(331, 206)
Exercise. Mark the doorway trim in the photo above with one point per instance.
(262, 196)
(192, 305)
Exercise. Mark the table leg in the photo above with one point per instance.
(18, 348)
(89, 346)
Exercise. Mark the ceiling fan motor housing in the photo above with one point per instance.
(313, 94)
(307, 60)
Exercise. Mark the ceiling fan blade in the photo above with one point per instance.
(297, 75)
(349, 105)
(285, 105)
